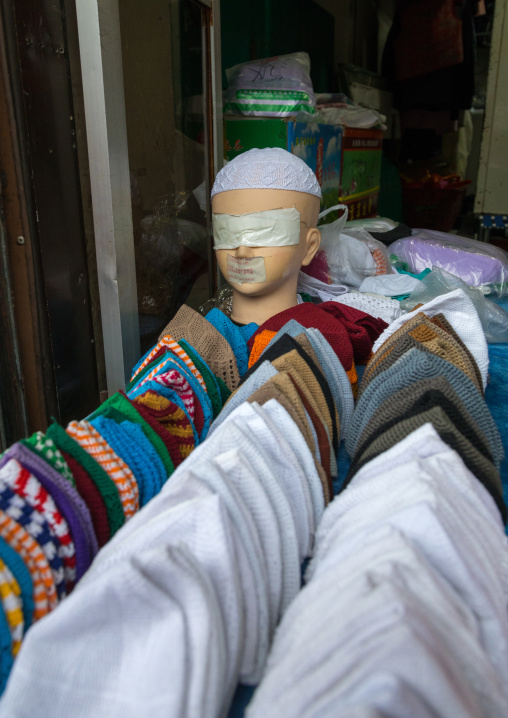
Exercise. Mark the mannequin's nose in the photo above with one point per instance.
(242, 252)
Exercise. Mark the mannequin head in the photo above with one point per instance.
(269, 283)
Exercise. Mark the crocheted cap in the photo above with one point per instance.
(269, 168)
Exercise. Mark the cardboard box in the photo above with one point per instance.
(360, 177)
(318, 145)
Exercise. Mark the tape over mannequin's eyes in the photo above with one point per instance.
(269, 228)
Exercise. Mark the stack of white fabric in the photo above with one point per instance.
(183, 602)
(404, 611)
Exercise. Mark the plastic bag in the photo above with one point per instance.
(347, 258)
(494, 319)
(275, 86)
(476, 263)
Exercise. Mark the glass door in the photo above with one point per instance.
(162, 133)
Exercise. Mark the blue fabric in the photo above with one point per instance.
(128, 440)
(237, 337)
(496, 396)
(5, 650)
(17, 567)
(37, 526)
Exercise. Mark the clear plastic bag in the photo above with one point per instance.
(274, 87)
(494, 319)
(347, 257)
(478, 264)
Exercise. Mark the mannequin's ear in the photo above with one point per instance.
(312, 240)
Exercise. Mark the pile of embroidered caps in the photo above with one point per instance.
(64, 494)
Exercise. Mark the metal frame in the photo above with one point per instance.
(102, 75)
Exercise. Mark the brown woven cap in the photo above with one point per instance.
(481, 467)
(207, 341)
(281, 388)
(401, 402)
(303, 341)
(427, 336)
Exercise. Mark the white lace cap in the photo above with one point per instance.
(269, 168)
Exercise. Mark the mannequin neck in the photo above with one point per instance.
(257, 309)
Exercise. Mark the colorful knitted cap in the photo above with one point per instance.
(169, 442)
(22, 575)
(44, 447)
(16, 506)
(10, 598)
(87, 436)
(267, 168)
(237, 337)
(102, 481)
(119, 408)
(22, 482)
(93, 499)
(72, 508)
(18, 538)
(209, 378)
(173, 418)
(260, 344)
(168, 345)
(130, 443)
(212, 346)
(173, 373)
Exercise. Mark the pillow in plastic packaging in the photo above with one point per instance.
(478, 264)
(273, 87)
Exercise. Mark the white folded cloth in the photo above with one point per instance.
(281, 418)
(144, 638)
(289, 474)
(203, 525)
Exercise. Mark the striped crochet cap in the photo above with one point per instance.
(129, 442)
(87, 436)
(209, 378)
(172, 417)
(119, 408)
(39, 529)
(45, 596)
(22, 482)
(211, 345)
(10, 598)
(167, 344)
(93, 499)
(22, 575)
(67, 500)
(100, 478)
(44, 447)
